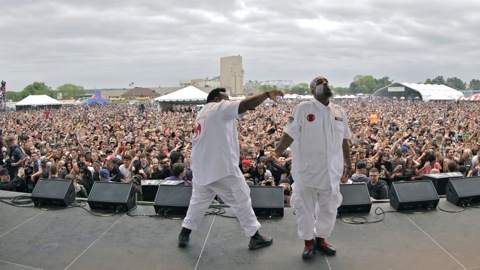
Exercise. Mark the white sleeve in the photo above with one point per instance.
(347, 134)
(294, 124)
(229, 109)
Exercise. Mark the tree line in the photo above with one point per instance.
(365, 84)
(65, 91)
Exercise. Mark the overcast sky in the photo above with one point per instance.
(103, 44)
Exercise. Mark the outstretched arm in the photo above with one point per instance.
(252, 102)
(347, 162)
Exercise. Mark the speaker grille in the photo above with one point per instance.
(413, 195)
(416, 191)
(108, 195)
(267, 201)
(467, 187)
(172, 200)
(356, 199)
(464, 192)
(51, 188)
(53, 192)
(175, 196)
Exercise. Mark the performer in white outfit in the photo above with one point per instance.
(214, 161)
(318, 134)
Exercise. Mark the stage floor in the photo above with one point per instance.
(71, 238)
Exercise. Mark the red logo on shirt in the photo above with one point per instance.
(310, 117)
(197, 130)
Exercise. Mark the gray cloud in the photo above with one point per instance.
(112, 43)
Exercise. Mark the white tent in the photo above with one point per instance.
(38, 100)
(412, 91)
(475, 97)
(187, 95)
(345, 97)
(291, 96)
(435, 91)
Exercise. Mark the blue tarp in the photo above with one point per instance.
(96, 98)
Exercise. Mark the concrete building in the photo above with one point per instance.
(207, 83)
(251, 87)
(231, 78)
(140, 92)
(231, 75)
(113, 93)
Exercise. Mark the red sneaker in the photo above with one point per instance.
(309, 250)
(324, 247)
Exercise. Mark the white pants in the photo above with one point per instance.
(315, 210)
(234, 192)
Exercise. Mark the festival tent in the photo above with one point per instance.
(475, 97)
(291, 96)
(187, 95)
(345, 97)
(297, 96)
(418, 91)
(37, 101)
(95, 99)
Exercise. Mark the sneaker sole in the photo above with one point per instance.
(327, 253)
(308, 256)
(260, 246)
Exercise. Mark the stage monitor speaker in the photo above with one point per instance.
(464, 191)
(267, 201)
(356, 199)
(53, 192)
(150, 189)
(413, 195)
(172, 200)
(440, 180)
(112, 196)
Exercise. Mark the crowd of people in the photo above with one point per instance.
(402, 140)
(308, 148)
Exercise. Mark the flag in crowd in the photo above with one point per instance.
(3, 89)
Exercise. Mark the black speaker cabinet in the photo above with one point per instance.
(150, 189)
(440, 180)
(112, 196)
(172, 200)
(421, 194)
(53, 192)
(356, 199)
(267, 201)
(464, 191)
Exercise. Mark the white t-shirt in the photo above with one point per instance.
(318, 132)
(215, 148)
(124, 170)
(475, 161)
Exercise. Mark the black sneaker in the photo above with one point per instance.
(183, 240)
(309, 250)
(259, 241)
(324, 247)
